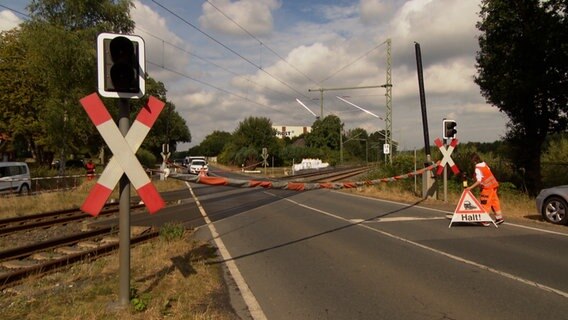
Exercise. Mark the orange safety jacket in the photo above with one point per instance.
(488, 180)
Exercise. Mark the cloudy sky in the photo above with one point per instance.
(225, 60)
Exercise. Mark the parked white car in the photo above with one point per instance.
(197, 166)
(15, 178)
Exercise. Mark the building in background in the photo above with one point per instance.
(290, 131)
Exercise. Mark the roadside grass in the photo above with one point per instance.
(170, 279)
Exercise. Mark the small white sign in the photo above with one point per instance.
(386, 148)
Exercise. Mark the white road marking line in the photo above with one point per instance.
(395, 219)
(249, 298)
(451, 256)
(536, 229)
(450, 214)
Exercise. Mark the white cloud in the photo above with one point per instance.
(255, 16)
(162, 45)
(8, 20)
(444, 28)
(374, 11)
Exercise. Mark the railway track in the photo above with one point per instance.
(330, 175)
(47, 256)
(48, 219)
(45, 242)
(43, 253)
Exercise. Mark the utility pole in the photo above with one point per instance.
(388, 94)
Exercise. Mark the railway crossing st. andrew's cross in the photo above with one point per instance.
(124, 154)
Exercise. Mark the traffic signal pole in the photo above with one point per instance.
(121, 64)
(124, 214)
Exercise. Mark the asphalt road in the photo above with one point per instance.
(330, 255)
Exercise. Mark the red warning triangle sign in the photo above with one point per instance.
(469, 204)
(469, 210)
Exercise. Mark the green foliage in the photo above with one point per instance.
(172, 231)
(48, 64)
(103, 15)
(403, 163)
(356, 145)
(325, 133)
(246, 143)
(555, 163)
(248, 156)
(21, 95)
(214, 143)
(146, 158)
(492, 154)
(139, 301)
(195, 151)
(170, 127)
(522, 71)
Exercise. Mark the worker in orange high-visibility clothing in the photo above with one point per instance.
(489, 186)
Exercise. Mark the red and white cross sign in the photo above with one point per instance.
(124, 154)
(446, 153)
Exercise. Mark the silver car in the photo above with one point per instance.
(552, 203)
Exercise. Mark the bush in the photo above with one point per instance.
(554, 166)
(146, 158)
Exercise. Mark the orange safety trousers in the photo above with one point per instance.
(489, 200)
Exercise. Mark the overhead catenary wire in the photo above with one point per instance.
(189, 77)
(352, 62)
(230, 49)
(260, 42)
(213, 63)
(216, 87)
(14, 10)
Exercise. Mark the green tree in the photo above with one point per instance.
(195, 151)
(170, 128)
(251, 135)
(21, 96)
(325, 133)
(522, 71)
(555, 162)
(214, 143)
(101, 15)
(355, 145)
(53, 57)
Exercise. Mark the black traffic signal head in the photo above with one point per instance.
(121, 65)
(124, 67)
(449, 129)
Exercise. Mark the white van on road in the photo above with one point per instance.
(15, 178)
